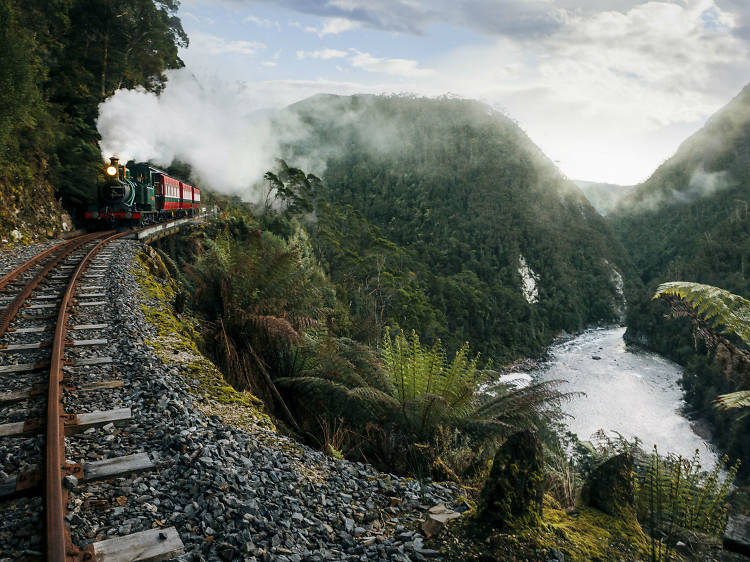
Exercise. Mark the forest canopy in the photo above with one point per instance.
(61, 59)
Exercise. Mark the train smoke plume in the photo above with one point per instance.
(218, 130)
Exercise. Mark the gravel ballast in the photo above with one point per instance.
(232, 493)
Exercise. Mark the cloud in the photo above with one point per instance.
(215, 45)
(365, 61)
(305, 28)
(513, 18)
(741, 10)
(324, 54)
(266, 23)
(335, 26)
(269, 64)
(397, 67)
(610, 94)
(607, 87)
(415, 16)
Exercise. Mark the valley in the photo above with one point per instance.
(393, 327)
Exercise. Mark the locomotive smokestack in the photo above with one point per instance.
(114, 166)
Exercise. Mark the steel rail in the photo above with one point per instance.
(13, 275)
(59, 545)
(7, 315)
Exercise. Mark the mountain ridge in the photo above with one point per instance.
(469, 196)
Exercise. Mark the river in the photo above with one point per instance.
(632, 392)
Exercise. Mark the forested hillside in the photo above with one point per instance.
(689, 222)
(444, 217)
(60, 59)
(689, 217)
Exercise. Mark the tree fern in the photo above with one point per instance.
(719, 307)
(739, 399)
(430, 389)
(720, 310)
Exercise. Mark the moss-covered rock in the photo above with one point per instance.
(611, 486)
(514, 491)
(175, 343)
(585, 535)
(30, 210)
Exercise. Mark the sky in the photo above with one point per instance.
(607, 88)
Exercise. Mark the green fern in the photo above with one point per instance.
(434, 393)
(739, 399)
(675, 498)
(721, 308)
(725, 311)
(431, 390)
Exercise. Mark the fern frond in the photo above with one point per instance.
(273, 328)
(374, 399)
(719, 307)
(739, 399)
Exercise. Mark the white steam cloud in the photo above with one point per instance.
(226, 133)
(218, 130)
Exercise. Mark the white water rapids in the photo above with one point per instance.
(634, 393)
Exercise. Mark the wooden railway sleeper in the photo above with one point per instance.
(74, 469)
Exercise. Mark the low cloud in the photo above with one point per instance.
(701, 184)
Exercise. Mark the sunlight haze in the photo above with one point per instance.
(607, 89)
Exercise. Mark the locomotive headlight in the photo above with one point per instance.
(111, 170)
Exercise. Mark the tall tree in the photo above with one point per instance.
(106, 45)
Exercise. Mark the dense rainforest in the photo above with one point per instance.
(456, 224)
(371, 298)
(689, 222)
(60, 60)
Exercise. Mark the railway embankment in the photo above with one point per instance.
(30, 212)
(231, 485)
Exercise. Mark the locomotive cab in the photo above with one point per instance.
(145, 179)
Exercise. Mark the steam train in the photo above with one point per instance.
(139, 194)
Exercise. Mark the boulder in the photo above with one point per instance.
(513, 493)
(737, 534)
(610, 487)
(436, 518)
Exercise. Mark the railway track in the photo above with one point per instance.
(52, 325)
